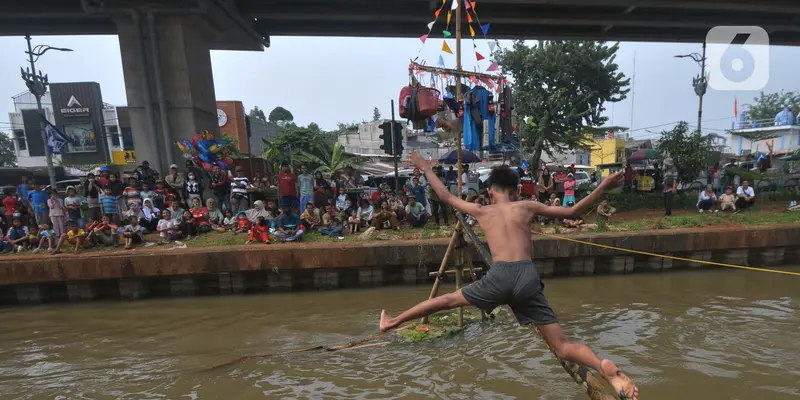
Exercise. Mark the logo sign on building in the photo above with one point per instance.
(74, 108)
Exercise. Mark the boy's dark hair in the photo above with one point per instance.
(261, 221)
(503, 178)
(72, 223)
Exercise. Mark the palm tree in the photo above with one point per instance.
(329, 159)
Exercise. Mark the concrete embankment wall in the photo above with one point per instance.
(316, 266)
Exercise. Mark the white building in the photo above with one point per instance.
(785, 138)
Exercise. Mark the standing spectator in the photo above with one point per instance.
(727, 201)
(287, 185)
(38, 199)
(558, 179)
(175, 181)
(465, 181)
(104, 173)
(418, 191)
(192, 189)
(22, 191)
(365, 211)
(415, 175)
(544, 185)
(331, 222)
(145, 174)
(131, 194)
(10, 203)
(305, 182)
(745, 196)
(712, 173)
(117, 189)
(239, 186)
(670, 186)
(220, 187)
(322, 190)
(707, 199)
(198, 173)
(415, 213)
(452, 175)
(605, 211)
(569, 189)
(385, 216)
(92, 189)
(437, 206)
(628, 178)
(109, 204)
(289, 228)
(73, 202)
(146, 193)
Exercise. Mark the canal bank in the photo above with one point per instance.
(319, 266)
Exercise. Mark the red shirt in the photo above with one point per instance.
(287, 183)
(10, 203)
(200, 215)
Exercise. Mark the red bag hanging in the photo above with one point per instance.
(428, 101)
(405, 102)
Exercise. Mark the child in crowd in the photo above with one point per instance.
(310, 217)
(47, 235)
(93, 191)
(133, 212)
(229, 222)
(10, 203)
(188, 225)
(146, 193)
(133, 233)
(75, 236)
(192, 189)
(34, 241)
(727, 200)
(554, 200)
(73, 203)
(160, 194)
(353, 222)
(273, 209)
(167, 228)
(605, 212)
(242, 223)
(259, 232)
(58, 213)
(105, 233)
(18, 235)
(131, 193)
(38, 198)
(150, 214)
(109, 204)
(569, 189)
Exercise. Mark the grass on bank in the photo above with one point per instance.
(700, 220)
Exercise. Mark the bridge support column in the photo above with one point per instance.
(184, 70)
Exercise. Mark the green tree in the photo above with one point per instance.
(8, 157)
(280, 114)
(257, 113)
(767, 105)
(560, 88)
(376, 114)
(293, 139)
(329, 158)
(314, 128)
(690, 151)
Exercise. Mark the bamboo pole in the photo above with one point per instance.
(453, 72)
(460, 155)
(438, 281)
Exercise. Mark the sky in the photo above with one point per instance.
(330, 80)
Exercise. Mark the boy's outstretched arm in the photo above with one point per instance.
(436, 184)
(611, 182)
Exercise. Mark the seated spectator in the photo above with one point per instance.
(353, 223)
(176, 211)
(605, 211)
(331, 222)
(258, 211)
(47, 236)
(200, 216)
(727, 200)
(150, 215)
(75, 236)
(189, 226)
(259, 232)
(215, 216)
(273, 209)
(554, 200)
(242, 223)
(34, 240)
(105, 233)
(385, 218)
(341, 200)
(167, 228)
(229, 222)
(133, 233)
(745, 196)
(707, 199)
(396, 205)
(574, 222)
(18, 235)
(289, 227)
(310, 217)
(134, 211)
(415, 212)
(365, 212)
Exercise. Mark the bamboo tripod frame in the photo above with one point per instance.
(580, 373)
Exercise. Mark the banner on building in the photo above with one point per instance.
(56, 140)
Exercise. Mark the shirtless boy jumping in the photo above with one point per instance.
(513, 279)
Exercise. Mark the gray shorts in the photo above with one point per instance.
(516, 284)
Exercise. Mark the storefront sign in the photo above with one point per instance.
(74, 109)
(123, 157)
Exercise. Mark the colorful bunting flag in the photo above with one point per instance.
(492, 46)
(454, 6)
(439, 11)
(471, 31)
(447, 34)
(430, 25)
(449, 15)
(475, 81)
(469, 18)
(493, 67)
(474, 3)
(485, 29)
(420, 72)
(441, 61)
(446, 48)
(479, 56)
(423, 38)
(467, 5)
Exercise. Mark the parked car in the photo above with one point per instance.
(61, 186)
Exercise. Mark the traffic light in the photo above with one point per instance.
(386, 136)
(398, 139)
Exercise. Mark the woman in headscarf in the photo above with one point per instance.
(133, 211)
(214, 213)
(150, 215)
(257, 211)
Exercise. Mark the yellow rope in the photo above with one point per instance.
(670, 257)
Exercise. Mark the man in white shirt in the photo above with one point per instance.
(745, 196)
(465, 181)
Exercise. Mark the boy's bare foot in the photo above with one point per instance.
(248, 242)
(621, 383)
(386, 324)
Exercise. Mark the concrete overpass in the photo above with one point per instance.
(165, 43)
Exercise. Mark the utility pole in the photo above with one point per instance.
(37, 84)
(700, 83)
(395, 156)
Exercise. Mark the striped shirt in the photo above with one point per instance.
(109, 204)
(240, 190)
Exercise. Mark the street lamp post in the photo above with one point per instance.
(699, 82)
(37, 84)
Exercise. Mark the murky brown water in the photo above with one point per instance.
(690, 335)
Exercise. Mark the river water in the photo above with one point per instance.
(693, 335)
